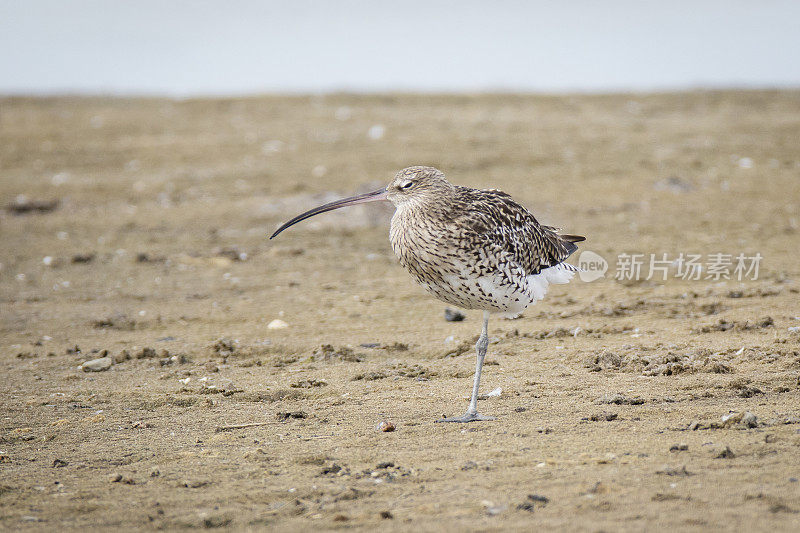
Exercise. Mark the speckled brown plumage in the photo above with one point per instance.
(476, 249)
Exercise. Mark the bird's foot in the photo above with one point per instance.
(466, 417)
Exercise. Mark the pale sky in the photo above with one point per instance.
(197, 47)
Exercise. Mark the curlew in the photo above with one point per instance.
(471, 248)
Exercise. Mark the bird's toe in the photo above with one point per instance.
(467, 417)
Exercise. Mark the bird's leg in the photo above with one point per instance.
(480, 351)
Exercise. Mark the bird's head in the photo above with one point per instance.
(411, 186)
(415, 185)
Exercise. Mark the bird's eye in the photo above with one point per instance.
(406, 185)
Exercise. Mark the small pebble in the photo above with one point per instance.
(122, 356)
(97, 365)
(290, 414)
(333, 468)
(495, 393)
(749, 420)
(492, 509)
(386, 426)
(726, 453)
(277, 324)
(146, 353)
(452, 315)
(376, 132)
(532, 502)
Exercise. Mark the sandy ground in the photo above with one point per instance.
(136, 230)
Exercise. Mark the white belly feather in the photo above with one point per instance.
(494, 292)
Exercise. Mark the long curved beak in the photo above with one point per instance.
(373, 196)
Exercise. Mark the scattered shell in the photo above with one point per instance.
(492, 509)
(376, 132)
(385, 426)
(277, 324)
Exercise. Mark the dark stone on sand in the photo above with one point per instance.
(290, 414)
(331, 469)
(452, 315)
(602, 417)
(726, 453)
(83, 258)
(142, 257)
(533, 501)
(217, 521)
(25, 207)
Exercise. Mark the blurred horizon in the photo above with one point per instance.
(243, 47)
